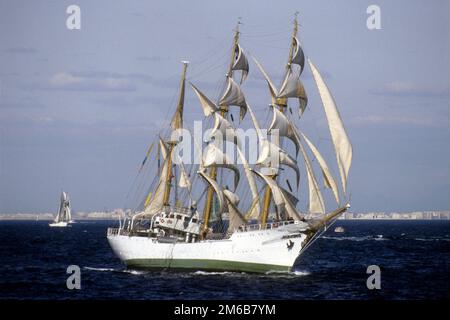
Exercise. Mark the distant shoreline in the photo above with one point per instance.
(120, 213)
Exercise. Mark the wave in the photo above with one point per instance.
(213, 273)
(100, 269)
(130, 271)
(378, 237)
(431, 239)
(298, 273)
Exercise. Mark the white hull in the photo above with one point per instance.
(252, 251)
(58, 224)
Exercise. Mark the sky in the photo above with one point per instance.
(78, 108)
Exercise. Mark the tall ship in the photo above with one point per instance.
(64, 215)
(238, 208)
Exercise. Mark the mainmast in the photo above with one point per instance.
(223, 111)
(282, 104)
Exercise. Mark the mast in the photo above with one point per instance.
(282, 104)
(291, 49)
(223, 111)
(265, 212)
(176, 123)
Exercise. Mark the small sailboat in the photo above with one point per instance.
(64, 216)
(339, 229)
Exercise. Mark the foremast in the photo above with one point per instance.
(281, 104)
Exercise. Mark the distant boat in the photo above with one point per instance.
(64, 216)
(339, 230)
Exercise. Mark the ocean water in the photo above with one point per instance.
(414, 257)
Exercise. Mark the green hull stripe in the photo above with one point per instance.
(206, 265)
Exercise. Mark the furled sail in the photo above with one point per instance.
(327, 176)
(292, 87)
(207, 105)
(233, 96)
(341, 142)
(285, 128)
(241, 63)
(216, 188)
(298, 57)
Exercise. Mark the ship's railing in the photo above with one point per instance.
(117, 231)
(183, 210)
(270, 225)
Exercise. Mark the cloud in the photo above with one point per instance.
(401, 119)
(409, 89)
(67, 81)
(21, 50)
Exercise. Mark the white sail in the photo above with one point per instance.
(270, 150)
(184, 181)
(241, 63)
(224, 130)
(233, 96)
(207, 105)
(236, 219)
(64, 215)
(177, 119)
(329, 181)
(256, 124)
(64, 212)
(255, 207)
(163, 148)
(285, 128)
(281, 200)
(298, 57)
(213, 156)
(316, 203)
(341, 142)
(272, 88)
(216, 188)
(292, 87)
(233, 197)
(157, 199)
